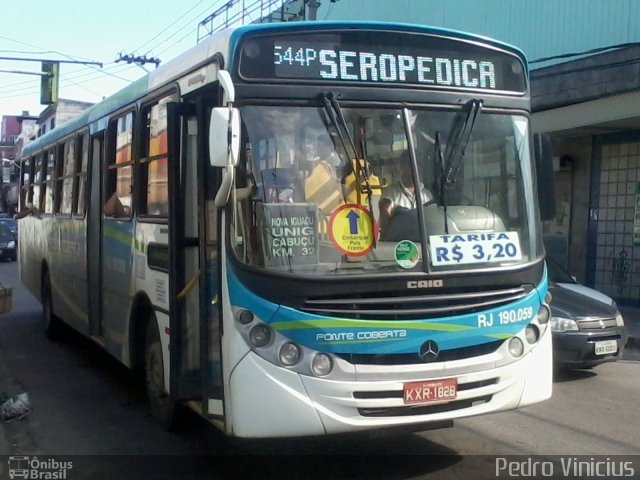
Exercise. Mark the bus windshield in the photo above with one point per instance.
(365, 190)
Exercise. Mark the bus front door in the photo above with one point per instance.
(196, 372)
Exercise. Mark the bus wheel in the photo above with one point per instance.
(52, 324)
(162, 408)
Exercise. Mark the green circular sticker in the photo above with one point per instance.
(407, 254)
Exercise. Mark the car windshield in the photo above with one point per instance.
(339, 190)
(12, 224)
(4, 230)
(556, 273)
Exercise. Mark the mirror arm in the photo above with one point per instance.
(222, 197)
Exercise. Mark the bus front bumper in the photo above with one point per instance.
(270, 401)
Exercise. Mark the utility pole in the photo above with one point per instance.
(49, 75)
(313, 9)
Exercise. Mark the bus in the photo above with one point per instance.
(305, 228)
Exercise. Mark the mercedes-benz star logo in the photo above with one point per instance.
(429, 351)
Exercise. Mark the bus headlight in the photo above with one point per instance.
(260, 335)
(245, 317)
(561, 324)
(289, 354)
(321, 364)
(516, 347)
(543, 314)
(532, 334)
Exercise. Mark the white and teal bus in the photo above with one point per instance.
(305, 228)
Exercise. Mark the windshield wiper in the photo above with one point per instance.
(458, 139)
(360, 171)
(460, 135)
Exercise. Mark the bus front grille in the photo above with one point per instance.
(414, 358)
(424, 409)
(402, 305)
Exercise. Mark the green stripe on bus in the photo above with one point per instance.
(302, 324)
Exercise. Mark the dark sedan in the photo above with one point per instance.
(13, 226)
(7, 243)
(586, 330)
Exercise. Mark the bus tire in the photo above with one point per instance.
(52, 324)
(160, 403)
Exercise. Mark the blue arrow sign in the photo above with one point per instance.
(353, 222)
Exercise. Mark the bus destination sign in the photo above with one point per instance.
(381, 58)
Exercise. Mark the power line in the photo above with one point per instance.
(168, 27)
(176, 32)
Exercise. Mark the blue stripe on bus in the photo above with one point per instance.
(341, 335)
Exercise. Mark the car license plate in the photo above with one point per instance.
(607, 346)
(432, 391)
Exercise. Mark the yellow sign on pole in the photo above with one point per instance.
(353, 229)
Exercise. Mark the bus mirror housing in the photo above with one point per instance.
(545, 176)
(224, 137)
(224, 148)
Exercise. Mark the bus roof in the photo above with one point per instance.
(225, 42)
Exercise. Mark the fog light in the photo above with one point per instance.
(532, 334)
(260, 335)
(289, 354)
(516, 347)
(543, 314)
(245, 317)
(321, 364)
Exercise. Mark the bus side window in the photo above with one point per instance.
(48, 184)
(154, 161)
(118, 185)
(26, 192)
(82, 160)
(37, 182)
(66, 165)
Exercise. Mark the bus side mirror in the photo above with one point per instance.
(224, 148)
(224, 137)
(545, 176)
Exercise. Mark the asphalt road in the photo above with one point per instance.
(90, 408)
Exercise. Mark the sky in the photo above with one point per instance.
(90, 30)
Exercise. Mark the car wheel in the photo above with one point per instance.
(160, 403)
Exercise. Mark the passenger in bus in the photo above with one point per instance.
(401, 194)
(321, 186)
(114, 207)
(326, 152)
(28, 209)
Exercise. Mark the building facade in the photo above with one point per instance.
(585, 95)
(60, 112)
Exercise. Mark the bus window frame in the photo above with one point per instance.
(61, 177)
(144, 160)
(38, 168)
(48, 155)
(110, 166)
(26, 189)
(80, 152)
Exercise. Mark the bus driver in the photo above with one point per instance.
(401, 194)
